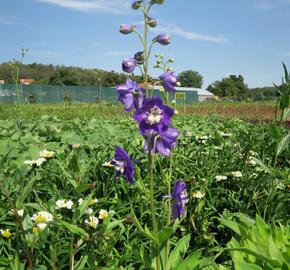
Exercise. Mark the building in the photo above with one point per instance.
(2, 82)
(190, 95)
(204, 95)
(26, 81)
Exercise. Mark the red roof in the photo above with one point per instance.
(26, 81)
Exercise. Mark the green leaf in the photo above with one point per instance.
(286, 72)
(72, 228)
(149, 234)
(191, 261)
(82, 188)
(262, 165)
(84, 206)
(232, 225)
(114, 224)
(286, 114)
(146, 232)
(275, 132)
(26, 223)
(283, 144)
(164, 235)
(71, 138)
(178, 252)
(284, 101)
(248, 266)
(80, 265)
(26, 191)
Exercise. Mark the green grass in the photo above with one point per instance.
(83, 138)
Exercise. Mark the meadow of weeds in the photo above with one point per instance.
(229, 167)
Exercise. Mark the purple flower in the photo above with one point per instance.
(152, 22)
(153, 115)
(180, 198)
(123, 165)
(131, 95)
(136, 4)
(126, 28)
(169, 81)
(164, 141)
(128, 65)
(163, 39)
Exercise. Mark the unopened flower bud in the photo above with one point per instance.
(126, 28)
(136, 5)
(128, 65)
(169, 69)
(178, 84)
(156, 55)
(159, 2)
(139, 57)
(171, 60)
(163, 39)
(152, 22)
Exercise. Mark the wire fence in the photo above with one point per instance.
(63, 93)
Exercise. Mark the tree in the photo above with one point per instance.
(190, 78)
(64, 77)
(232, 86)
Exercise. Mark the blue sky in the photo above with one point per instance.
(215, 38)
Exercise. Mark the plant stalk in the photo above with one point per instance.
(152, 202)
(72, 254)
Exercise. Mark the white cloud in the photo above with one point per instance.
(10, 20)
(175, 30)
(270, 5)
(116, 53)
(112, 6)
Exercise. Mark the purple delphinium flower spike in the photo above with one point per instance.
(123, 165)
(163, 39)
(163, 141)
(153, 115)
(131, 95)
(128, 65)
(180, 198)
(126, 29)
(169, 81)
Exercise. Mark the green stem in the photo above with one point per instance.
(72, 253)
(167, 247)
(152, 202)
(146, 56)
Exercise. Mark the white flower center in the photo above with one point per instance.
(154, 116)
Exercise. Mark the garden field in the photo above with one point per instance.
(63, 208)
(264, 110)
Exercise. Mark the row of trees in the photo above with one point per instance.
(232, 86)
(61, 75)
